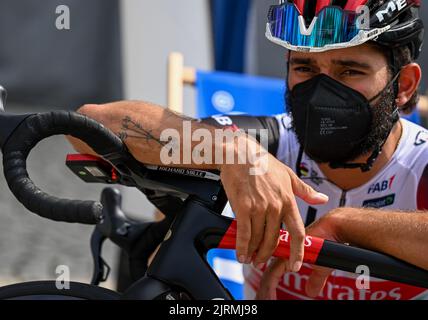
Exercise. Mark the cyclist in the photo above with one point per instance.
(346, 84)
(326, 69)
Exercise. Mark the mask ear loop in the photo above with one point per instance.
(390, 83)
(365, 167)
(396, 113)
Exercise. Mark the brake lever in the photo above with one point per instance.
(114, 226)
(101, 269)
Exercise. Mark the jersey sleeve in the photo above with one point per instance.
(251, 125)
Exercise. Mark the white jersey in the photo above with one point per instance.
(401, 185)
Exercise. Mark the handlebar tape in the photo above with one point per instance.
(25, 137)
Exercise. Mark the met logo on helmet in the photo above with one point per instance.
(391, 7)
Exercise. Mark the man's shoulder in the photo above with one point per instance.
(285, 123)
(414, 144)
(415, 138)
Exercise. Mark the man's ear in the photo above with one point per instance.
(409, 80)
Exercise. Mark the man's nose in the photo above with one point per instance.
(327, 72)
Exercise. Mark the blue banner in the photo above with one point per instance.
(230, 93)
(229, 21)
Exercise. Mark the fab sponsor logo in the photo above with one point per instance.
(381, 186)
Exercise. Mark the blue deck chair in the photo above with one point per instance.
(230, 93)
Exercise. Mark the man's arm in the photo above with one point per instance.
(261, 190)
(245, 123)
(140, 125)
(403, 235)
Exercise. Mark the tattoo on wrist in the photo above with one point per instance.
(133, 129)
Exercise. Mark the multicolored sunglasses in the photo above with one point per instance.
(331, 28)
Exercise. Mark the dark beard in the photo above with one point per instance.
(385, 116)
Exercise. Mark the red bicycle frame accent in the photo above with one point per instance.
(313, 245)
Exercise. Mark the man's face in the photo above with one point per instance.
(363, 68)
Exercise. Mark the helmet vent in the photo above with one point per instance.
(309, 11)
(340, 3)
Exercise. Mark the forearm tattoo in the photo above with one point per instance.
(133, 129)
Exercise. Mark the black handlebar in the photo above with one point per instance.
(31, 130)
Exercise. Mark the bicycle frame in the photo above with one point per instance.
(195, 230)
(197, 200)
(181, 259)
